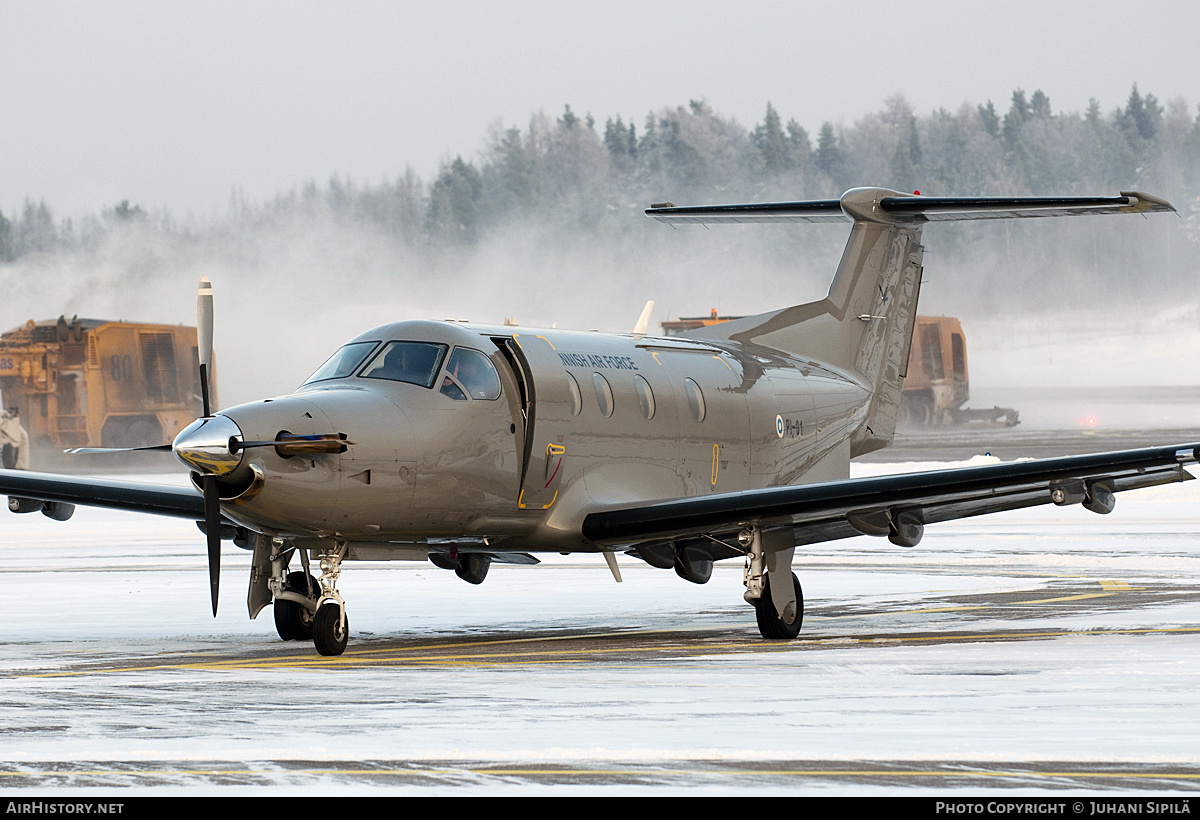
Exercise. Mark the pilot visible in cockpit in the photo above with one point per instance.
(470, 373)
(411, 362)
(397, 365)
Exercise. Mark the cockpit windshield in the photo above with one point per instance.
(343, 363)
(469, 373)
(412, 362)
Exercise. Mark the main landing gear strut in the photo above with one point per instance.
(779, 609)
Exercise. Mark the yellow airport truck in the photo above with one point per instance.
(936, 387)
(95, 383)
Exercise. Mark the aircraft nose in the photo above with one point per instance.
(208, 445)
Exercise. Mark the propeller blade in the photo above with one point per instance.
(156, 448)
(212, 526)
(204, 338)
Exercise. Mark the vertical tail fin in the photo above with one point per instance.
(864, 325)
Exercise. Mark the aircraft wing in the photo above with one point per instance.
(897, 506)
(158, 499)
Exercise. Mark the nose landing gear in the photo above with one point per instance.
(331, 627)
(306, 608)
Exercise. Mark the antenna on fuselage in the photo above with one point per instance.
(643, 322)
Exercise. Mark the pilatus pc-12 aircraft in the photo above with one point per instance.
(466, 445)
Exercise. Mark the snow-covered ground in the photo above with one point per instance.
(108, 639)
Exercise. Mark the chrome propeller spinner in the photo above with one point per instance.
(210, 446)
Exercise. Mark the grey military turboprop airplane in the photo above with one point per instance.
(466, 445)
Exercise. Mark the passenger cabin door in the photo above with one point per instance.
(547, 406)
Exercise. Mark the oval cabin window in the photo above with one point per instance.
(645, 396)
(695, 399)
(576, 397)
(604, 396)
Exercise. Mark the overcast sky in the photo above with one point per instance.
(174, 104)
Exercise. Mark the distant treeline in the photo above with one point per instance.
(572, 176)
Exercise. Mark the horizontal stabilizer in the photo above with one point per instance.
(911, 208)
(821, 210)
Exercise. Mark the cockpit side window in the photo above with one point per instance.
(470, 373)
(411, 362)
(343, 363)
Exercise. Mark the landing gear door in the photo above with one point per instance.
(547, 404)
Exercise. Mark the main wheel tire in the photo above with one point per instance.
(770, 625)
(294, 621)
(306, 585)
(287, 619)
(328, 632)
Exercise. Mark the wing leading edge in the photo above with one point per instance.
(157, 499)
(897, 506)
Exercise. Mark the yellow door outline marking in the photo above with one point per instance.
(716, 452)
(521, 502)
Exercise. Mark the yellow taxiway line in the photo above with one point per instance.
(563, 771)
(402, 656)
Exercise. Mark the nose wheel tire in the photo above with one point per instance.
(770, 625)
(330, 630)
(293, 621)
